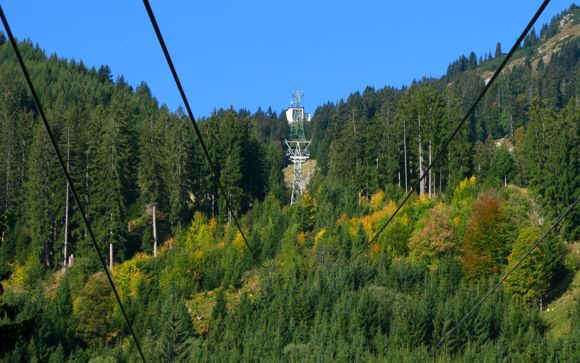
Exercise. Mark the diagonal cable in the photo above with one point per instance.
(194, 124)
(67, 176)
(443, 149)
(509, 272)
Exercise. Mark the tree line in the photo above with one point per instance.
(136, 165)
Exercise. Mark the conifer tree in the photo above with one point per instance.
(150, 170)
(498, 52)
(114, 164)
(44, 197)
(458, 158)
(182, 161)
(531, 280)
(176, 333)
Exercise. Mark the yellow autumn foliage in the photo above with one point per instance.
(367, 224)
(343, 218)
(18, 277)
(436, 237)
(23, 276)
(200, 234)
(371, 221)
(375, 249)
(390, 207)
(212, 224)
(128, 275)
(377, 199)
(238, 241)
(353, 227)
(463, 184)
(319, 235)
(163, 248)
(301, 238)
(467, 182)
(198, 255)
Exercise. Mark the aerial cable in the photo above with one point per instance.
(512, 269)
(68, 178)
(445, 145)
(194, 124)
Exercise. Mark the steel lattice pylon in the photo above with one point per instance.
(297, 145)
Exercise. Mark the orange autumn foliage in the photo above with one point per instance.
(375, 249)
(371, 222)
(301, 237)
(436, 238)
(488, 237)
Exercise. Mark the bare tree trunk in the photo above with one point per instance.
(430, 179)
(440, 177)
(50, 243)
(88, 200)
(512, 127)
(111, 243)
(422, 181)
(111, 256)
(7, 178)
(405, 151)
(154, 232)
(46, 258)
(229, 210)
(367, 179)
(353, 124)
(65, 252)
(449, 176)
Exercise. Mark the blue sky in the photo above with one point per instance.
(255, 53)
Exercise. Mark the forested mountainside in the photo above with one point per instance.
(362, 142)
(314, 290)
(125, 153)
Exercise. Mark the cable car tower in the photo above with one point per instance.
(297, 144)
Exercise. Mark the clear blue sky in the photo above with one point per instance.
(255, 53)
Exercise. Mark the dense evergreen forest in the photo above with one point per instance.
(314, 289)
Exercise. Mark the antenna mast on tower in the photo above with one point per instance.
(297, 144)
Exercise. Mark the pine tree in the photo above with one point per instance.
(531, 280)
(231, 177)
(113, 187)
(219, 310)
(549, 149)
(176, 333)
(458, 158)
(229, 148)
(181, 162)
(44, 197)
(151, 170)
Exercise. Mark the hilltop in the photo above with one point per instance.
(542, 50)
